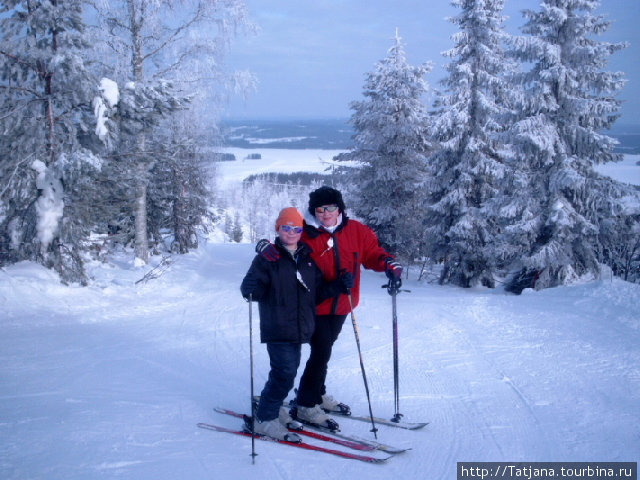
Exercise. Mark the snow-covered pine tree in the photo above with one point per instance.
(45, 98)
(184, 42)
(568, 102)
(390, 151)
(616, 214)
(123, 117)
(179, 195)
(236, 232)
(467, 170)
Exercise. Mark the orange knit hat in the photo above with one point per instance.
(289, 216)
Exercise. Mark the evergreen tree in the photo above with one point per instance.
(466, 172)
(157, 41)
(44, 106)
(390, 148)
(569, 100)
(179, 194)
(124, 116)
(617, 216)
(236, 232)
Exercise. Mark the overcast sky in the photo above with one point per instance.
(311, 56)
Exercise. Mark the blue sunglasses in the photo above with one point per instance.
(290, 229)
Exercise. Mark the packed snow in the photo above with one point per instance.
(110, 380)
(274, 160)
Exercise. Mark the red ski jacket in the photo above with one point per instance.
(351, 244)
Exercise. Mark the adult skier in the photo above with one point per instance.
(287, 290)
(339, 245)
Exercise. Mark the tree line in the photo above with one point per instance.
(102, 103)
(495, 180)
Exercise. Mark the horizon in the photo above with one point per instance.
(331, 133)
(306, 70)
(286, 118)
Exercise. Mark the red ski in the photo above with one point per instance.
(317, 436)
(306, 446)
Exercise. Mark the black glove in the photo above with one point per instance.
(268, 250)
(346, 281)
(249, 287)
(393, 269)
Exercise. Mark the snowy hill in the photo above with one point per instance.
(628, 170)
(109, 381)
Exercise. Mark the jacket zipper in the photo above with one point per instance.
(295, 266)
(336, 252)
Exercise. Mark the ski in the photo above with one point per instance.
(318, 436)
(306, 446)
(346, 413)
(373, 443)
(353, 438)
(336, 432)
(382, 421)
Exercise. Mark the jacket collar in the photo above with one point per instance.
(313, 227)
(303, 248)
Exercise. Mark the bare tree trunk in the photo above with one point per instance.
(141, 231)
(141, 234)
(45, 249)
(136, 17)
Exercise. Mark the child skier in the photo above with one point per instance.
(287, 291)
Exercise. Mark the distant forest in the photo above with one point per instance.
(337, 133)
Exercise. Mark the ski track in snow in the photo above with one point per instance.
(109, 381)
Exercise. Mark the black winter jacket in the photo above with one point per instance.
(287, 301)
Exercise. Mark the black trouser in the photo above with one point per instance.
(312, 381)
(284, 359)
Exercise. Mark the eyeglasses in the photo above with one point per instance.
(327, 208)
(290, 229)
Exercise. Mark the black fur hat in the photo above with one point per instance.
(325, 196)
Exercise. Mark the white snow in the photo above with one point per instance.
(110, 94)
(627, 170)
(109, 91)
(267, 141)
(50, 203)
(99, 111)
(274, 160)
(109, 381)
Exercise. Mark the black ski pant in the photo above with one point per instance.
(312, 386)
(284, 359)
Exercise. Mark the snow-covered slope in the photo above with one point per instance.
(109, 381)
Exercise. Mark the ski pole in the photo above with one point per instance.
(396, 370)
(253, 420)
(364, 375)
(393, 287)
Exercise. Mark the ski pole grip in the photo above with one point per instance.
(393, 289)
